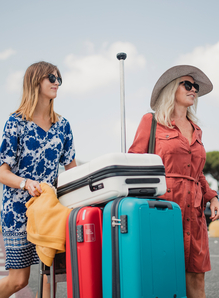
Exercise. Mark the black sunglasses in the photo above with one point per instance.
(188, 86)
(52, 78)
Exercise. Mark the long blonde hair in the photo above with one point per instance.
(164, 106)
(31, 87)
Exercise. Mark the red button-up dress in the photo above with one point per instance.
(186, 184)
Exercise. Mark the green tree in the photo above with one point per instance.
(212, 164)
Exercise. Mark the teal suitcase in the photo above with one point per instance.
(143, 250)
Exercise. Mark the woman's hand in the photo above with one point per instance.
(33, 187)
(214, 206)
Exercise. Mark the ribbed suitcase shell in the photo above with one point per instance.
(148, 260)
(83, 253)
(110, 176)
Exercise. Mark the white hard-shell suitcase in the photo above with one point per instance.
(110, 176)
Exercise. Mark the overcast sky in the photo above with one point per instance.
(83, 37)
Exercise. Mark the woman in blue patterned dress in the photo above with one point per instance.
(35, 140)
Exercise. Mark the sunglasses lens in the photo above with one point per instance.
(188, 85)
(52, 78)
(196, 86)
(59, 81)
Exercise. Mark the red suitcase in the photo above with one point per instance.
(84, 253)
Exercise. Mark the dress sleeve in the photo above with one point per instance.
(68, 152)
(9, 146)
(207, 192)
(142, 136)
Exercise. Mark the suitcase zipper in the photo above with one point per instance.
(108, 172)
(115, 247)
(73, 250)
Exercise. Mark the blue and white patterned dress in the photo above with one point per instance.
(31, 153)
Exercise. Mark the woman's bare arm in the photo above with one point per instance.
(10, 179)
(71, 165)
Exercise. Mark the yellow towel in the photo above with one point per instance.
(46, 224)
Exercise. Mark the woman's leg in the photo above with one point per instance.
(15, 281)
(195, 285)
(46, 287)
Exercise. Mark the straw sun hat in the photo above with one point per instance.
(205, 85)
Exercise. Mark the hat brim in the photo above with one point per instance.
(205, 85)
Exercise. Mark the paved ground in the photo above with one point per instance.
(212, 277)
(31, 290)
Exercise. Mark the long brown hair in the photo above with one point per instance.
(31, 87)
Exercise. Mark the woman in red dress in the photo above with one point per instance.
(178, 143)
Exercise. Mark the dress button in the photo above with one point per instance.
(188, 165)
(167, 136)
(188, 205)
(188, 233)
(190, 152)
(188, 219)
(168, 190)
(189, 192)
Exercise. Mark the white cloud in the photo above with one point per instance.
(207, 59)
(14, 82)
(6, 54)
(98, 70)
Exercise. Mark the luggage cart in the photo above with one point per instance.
(56, 273)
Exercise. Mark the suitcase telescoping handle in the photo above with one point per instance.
(121, 57)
